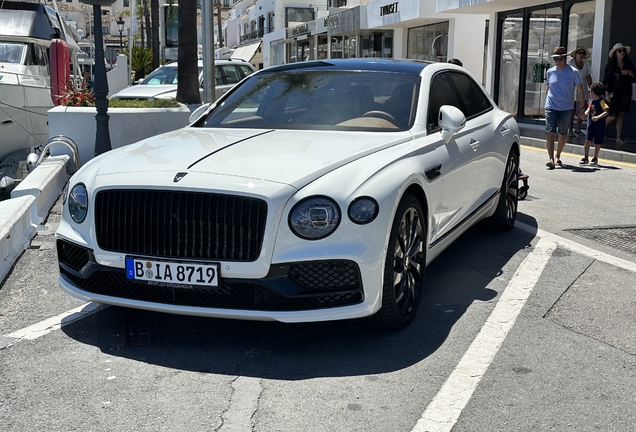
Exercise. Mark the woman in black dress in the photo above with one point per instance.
(619, 75)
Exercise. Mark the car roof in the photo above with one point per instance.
(216, 61)
(407, 66)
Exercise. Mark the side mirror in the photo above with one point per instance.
(451, 120)
(198, 112)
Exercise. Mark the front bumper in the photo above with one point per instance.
(291, 292)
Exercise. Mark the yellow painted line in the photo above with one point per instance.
(605, 161)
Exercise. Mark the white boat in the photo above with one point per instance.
(26, 31)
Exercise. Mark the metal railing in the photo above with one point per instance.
(61, 139)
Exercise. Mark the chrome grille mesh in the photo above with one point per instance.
(180, 224)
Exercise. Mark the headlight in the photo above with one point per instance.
(78, 203)
(314, 218)
(363, 210)
(65, 192)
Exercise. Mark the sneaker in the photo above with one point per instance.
(584, 161)
(594, 162)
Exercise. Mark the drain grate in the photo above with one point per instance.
(618, 237)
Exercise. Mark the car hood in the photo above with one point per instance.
(283, 156)
(144, 91)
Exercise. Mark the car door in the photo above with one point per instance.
(484, 130)
(459, 157)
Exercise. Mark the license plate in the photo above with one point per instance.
(165, 273)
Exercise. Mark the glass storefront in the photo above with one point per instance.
(510, 62)
(428, 42)
(527, 38)
(363, 44)
(544, 33)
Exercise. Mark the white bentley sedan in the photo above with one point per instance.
(311, 191)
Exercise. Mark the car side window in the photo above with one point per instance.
(231, 74)
(218, 76)
(247, 71)
(474, 101)
(442, 93)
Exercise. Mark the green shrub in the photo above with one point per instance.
(157, 103)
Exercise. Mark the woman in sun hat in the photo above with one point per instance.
(619, 75)
(562, 83)
(579, 55)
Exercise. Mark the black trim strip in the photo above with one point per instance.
(434, 172)
(466, 219)
(229, 145)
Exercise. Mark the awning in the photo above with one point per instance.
(246, 52)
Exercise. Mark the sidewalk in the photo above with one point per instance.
(534, 136)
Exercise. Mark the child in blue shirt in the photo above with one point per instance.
(596, 112)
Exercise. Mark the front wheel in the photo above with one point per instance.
(506, 212)
(404, 266)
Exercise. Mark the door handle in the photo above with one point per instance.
(474, 144)
(504, 131)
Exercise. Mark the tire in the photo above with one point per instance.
(506, 213)
(404, 267)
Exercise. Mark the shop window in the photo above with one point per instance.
(581, 26)
(428, 42)
(298, 15)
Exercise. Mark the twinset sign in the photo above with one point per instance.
(389, 9)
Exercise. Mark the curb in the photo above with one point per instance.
(29, 205)
(16, 230)
(608, 154)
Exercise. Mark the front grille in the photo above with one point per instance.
(180, 224)
(257, 295)
(325, 275)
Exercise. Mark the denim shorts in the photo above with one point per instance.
(557, 121)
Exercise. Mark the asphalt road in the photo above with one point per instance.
(526, 330)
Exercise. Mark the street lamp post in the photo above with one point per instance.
(120, 25)
(100, 86)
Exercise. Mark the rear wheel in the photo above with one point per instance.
(506, 213)
(404, 267)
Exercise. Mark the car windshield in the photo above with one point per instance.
(163, 75)
(325, 100)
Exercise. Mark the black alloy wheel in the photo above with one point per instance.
(404, 266)
(506, 214)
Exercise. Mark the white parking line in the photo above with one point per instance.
(48, 325)
(445, 408)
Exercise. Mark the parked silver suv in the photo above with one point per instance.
(162, 82)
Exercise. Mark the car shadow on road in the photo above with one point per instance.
(470, 271)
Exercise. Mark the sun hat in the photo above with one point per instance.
(559, 52)
(579, 48)
(617, 46)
